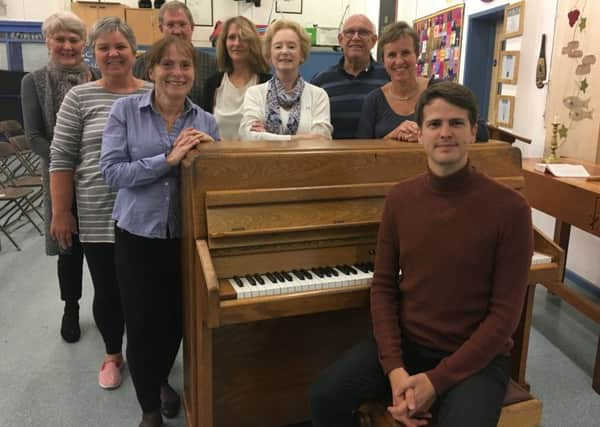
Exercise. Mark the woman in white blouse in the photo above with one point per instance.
(241, 65)
(286, 107)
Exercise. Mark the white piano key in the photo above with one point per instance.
(240, 291)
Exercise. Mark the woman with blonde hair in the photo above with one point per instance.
(42, 93)
(286, 107)
(241, 65)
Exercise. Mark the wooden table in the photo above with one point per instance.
(572, 201)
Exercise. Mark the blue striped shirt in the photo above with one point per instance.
(134, 162)
(347, 94)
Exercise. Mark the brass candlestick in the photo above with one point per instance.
(552, 157)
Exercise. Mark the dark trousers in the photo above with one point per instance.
(70, 269)
(149, 272)
(357, 377)
(106, 306)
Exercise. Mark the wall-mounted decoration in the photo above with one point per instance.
(574, 94)
(440, 34)
(202, 11)
(505, 111)
(509, 67)
(288, 6)
(514, 16)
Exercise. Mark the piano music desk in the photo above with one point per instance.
(572, 201)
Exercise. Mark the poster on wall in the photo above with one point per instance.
(202, 12)
(509, 67)
(288, 6)
(440, 36)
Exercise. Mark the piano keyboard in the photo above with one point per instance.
(340, 276)
(288, 282)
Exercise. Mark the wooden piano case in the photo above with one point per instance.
(271, 206)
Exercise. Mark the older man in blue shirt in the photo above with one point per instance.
(348, 82)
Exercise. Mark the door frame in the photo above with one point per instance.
(479, 55)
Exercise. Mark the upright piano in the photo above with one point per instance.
(278, 244)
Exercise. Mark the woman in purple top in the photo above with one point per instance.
(145, 139)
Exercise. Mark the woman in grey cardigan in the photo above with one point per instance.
(42, 92)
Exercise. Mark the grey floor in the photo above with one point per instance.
(46, 382)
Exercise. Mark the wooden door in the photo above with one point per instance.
(105, 10)
(144, 23)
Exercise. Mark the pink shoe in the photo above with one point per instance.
(109, 376)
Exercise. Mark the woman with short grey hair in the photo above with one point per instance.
(112, 24)
(42, 93)
(74, 157)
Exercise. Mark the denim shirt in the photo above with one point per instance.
(134, 162)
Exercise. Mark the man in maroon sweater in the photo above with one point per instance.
(453, 255)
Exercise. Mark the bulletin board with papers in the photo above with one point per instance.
(440, 35)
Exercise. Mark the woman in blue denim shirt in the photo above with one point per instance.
(145, 139)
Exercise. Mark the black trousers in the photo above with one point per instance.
(106, 306)
(70, 269)
(149, 272)
(357, 377)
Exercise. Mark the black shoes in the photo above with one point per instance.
(152, 419)
(169, 401)
(69, 327)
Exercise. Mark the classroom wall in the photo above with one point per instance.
(323, 13)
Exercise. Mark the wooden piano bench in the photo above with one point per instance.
(520, 409)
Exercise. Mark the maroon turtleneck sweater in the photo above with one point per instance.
(464, 244)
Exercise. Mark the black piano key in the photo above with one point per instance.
(325, 271)
(287, 276)
(362, 267)
(371, 266)
(250, 279)
(343, 269)
(333, 272)
(317, 271)
(278, 276)
(306, 273)
(351, 269)
(299, 274)
(238, 281)
(271, 277)
(259, 279)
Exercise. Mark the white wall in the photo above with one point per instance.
(325, 13)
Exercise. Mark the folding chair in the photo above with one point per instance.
(8, 129)
(28, 159)
(24, 181)
(13, 206)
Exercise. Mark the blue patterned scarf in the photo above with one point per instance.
(278, 97)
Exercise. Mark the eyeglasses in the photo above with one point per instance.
(362, 33)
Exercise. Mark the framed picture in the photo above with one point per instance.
(202, 11)
(505, 110)
(514, 16)
(509, 67)
(288, 6)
